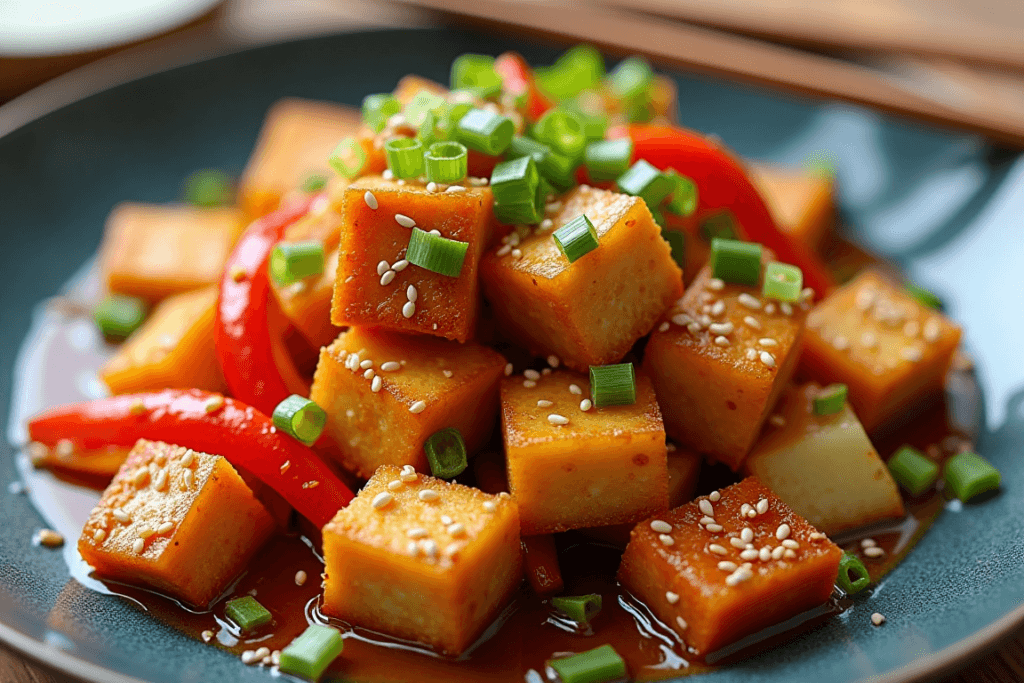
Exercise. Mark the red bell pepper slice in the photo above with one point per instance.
(206, 422)
(517, 79)
(540, 564)
(723, 184)
(250, 353)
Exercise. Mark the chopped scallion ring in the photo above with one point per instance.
(612, 385)
(405, 157)
(446, 162)
(348, 158)
(853, 575)
(523, 147)
(608, 159)
(435, 253)
(677, 242)
(309, 655)
(577, 238)
(377, 109)
(118, 315)
(294, 261)
(782, 282)
(559, 170)
(600, 665)
(720, 225)
(631, 79)
(515, 181)
(645, 181)
(300, 418)
(247, 613)
(912, 470)
(580, 68)
(416, 109)
(209, 187)
(683, 201)
(475, 73)
(830, 400)
(924, 296)
(446, 453)
(563, 131)
(485, 131)
(968, 475)
(579, 608)
(314, 183)
(736, 262)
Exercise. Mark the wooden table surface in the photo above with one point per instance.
(242, 23)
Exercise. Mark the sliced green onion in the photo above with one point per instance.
(314, 183)
(924, 296)
(310, 654)
(293, 261)
(435, 253)
(736, 262)
(645, 181)
(525, 212)
(683, 201)
(377, 109)
(594, 125)
(485, 131)
(608, 159)
(612, 385)
(348, 158)
(579, 608)
(631, 79)
(515, 181)
(968, 475)
(912, 470)
(782, 282)
(209, 187)
(559, 169)
(416, 109)
(830, 400)
(677, 241)
(640, 110)
(300, 418)
(580, 68)
(600, 665)
(659, 217)
(527, 147)
(248, 613)
(446, 453)
(563, 131)
(118, 315)
(446, 162)
(720, 224)
(475, 73)
(853, 575)
(440, 125)
(576, 238)
(405, 157)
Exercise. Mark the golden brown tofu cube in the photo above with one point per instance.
(718, 362)
(823, 466)
(181, 522)
(602, 466)
(373, 244)
(422, 559)
(295, 142)
(423, 384)
(173, 348)
(889, 349)
(152, 251)
(714, 574)
(800, 201)
(591, 311)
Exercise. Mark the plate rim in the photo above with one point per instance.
(949, 659)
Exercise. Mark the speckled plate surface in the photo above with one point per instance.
(943, 205)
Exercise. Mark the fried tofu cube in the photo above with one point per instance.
(800, 201)
(152, 251)
(422, 559)
(719, 360)
(179, 521)
(423, 384)
(295, 142)
(712, 585)
(173, 348)
(373, 243)
(591, 311)
(889, 349)
(603, 466)
(823, 466)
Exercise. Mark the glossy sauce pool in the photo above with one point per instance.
(528, 632)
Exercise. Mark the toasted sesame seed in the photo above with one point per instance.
(721, 341)
(681, 319)
(790, 543)
(411, 294)
(586, 404)
(429, 548)
(737, 542)
(456, 529)
(817, 536)
(262, 653)
(769, 308)
(911, 328)
(718, 308)
(660, 526)
(721, 328)
(911, 353)
(428, 495)
(840, 343)
(214, 404)
(404, 220)
(727, 566)
(716, 284)
(416, 532)
(786, 308)
(749, 301)
(932, 330)
(877, 619)
(517, 253)
(489, 506)
(409, 309)
(762, 506)
(873, 551)
(666, 539)
(145, 532)
(418, 407)
(140, 476)
(544, 403)
(663, 327)
(529, 383)
(508, 369)
(556, 419)
(782, 533)
(382, 500)
(868, 340)
(531, 374)
(370, 200)
(768, 359)
(747, 534)
(48, 538)
(408, 476)
(752, 322)
(693, 328)
(412, 548)
(187, 458)
(121, 516)
(138, 546)
(300, 577)
(777, 420)
(99, 535)
(369, 374)
(376, 384)
(383, 267)
(575, 389)
(400, 266)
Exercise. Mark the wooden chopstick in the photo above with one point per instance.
(748, 59)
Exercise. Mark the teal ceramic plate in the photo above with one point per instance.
(944, 206)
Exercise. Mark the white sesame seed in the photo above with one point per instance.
(768, 341)
(817, 536)
(370, 200)
(714, 528)
(727, 566)
(369, 374)
(666, 539)
(99, 535)
(400, 266)
(932, 330)
(681, 319)
(752, 513)
(660, 526)
(409, 309)
(544, 403)
(717, 549)
(764, 554)
(376, 384)
(778, 552)
(911, 328)
(412, 548)
(428, 495)
(790, 543)
(693, 328)
(529, 383)
(777, 421)
(752, 322)
(556, 419)
(300, 577)
(749, 301)
(747, 534)
(416, 532)
(873, 551)
(768, 359)
(531, 374)
(868, 340)
(366, 364)
(429, 548)
(671, 598)
(706, 507)
(207, 635)
(187, 457)
(404, 220)
(789, 554)
(707, 520)
(446, 520)
(721, 341)
(782, 533)
(387, 174)
(740, 575)
(762, 506)
(390, 366)
(911, 353)
(418, 407)
(456, 529)
(382, 500)
(681, 623)
(517, 253)
(138, 546)
(575, 389)
(718, 308)
(145, 532)
(840, 343)
(877, 619)
(383, 267)
(503, 251)
(715, 496)
(744, 509)
(586, 404)
(121, 516)
(489, 506)
(394, 484)
(411, 294)
(248, 657)
(716, 284)
(721, 328)
(508, 369)
(455, 188)
(737, 542)
(387, 278)
(140, 476)
(663, 327)
(408, 476)
(431, 187)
